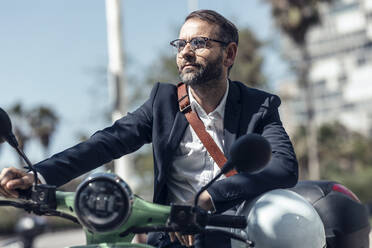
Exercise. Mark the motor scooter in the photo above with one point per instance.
(111, 214)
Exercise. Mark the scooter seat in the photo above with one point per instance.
(344, 217)
(313, 191)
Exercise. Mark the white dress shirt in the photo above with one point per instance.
(192, 166)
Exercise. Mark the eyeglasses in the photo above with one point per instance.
(195, 43)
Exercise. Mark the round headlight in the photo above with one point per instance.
(103, 202)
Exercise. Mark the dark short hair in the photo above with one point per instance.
(227, 30)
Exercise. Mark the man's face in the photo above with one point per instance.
(202, 65)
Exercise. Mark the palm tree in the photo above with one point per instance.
(39, 123)
(295, 18)
(43, 122)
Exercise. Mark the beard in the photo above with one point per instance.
(200, 75)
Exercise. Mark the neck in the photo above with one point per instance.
(209, 94)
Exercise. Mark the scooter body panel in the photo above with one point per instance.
(281, 218)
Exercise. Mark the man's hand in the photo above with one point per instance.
(185, 240)
(205, 202)
(12, 179)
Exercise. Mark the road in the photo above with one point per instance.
(55, 239)
(76, 237)
(60, 239)
(73, 237)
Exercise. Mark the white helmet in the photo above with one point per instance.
(282, 219)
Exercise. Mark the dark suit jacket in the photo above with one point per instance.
(159, 121)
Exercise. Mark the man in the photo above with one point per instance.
(206, 50)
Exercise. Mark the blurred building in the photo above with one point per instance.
(341, 72)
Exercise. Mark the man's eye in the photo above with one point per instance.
(180, 44)
(199, 43)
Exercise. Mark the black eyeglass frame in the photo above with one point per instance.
(206, 39)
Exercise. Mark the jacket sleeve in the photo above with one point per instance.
(280, 172)
(124, 136)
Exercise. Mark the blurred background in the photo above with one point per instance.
(63, 76)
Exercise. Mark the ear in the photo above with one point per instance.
(230, 51)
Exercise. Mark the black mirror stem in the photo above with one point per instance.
(29, 164)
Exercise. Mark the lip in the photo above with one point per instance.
(189, 65)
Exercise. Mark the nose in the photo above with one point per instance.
(187, 51)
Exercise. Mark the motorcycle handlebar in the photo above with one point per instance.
(227, 221)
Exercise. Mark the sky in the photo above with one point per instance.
(54, 53)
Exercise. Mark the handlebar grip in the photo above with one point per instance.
(232, 221)
(24, 193)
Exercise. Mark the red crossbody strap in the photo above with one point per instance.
(199, 128)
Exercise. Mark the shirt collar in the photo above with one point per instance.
(219, 110)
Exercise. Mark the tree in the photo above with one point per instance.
(38, 123)
(248, 64)
(295, 18)
(43, 122)
(345, 157)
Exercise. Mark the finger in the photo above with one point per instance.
(172, 237)
(9, 173)
(187, 240)
(9, 193)
(191, 240)
(5, 194)
(21, 183)
(178, 235)
(180, 238)
(7, 176)
(12, 193)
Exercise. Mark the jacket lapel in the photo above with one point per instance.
(232, 117)
(177, 132)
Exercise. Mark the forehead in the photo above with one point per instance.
(195, 27)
